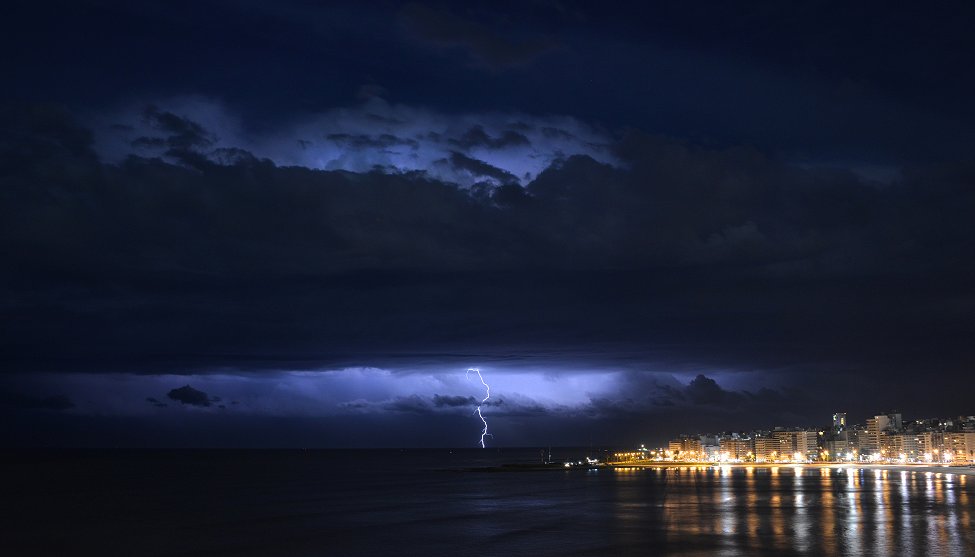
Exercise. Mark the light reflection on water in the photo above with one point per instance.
(809, 510)
(370, 503)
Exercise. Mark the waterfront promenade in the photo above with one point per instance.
(965, 470)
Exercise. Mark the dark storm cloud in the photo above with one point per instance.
(179, 132)
(871, 84)
(180, 139)
(155, 402)
(413, 404)
(682, 257)
(704, 390)
(354, 405)
(191, 396)
(667, 407)
(486, 44)
(793, 234)
(479, 168)
(453, 401)
(519, 405)
(650, 393)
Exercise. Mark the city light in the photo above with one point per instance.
(885, 438)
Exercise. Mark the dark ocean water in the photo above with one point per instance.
(424, 502)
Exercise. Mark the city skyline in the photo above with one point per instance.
(882, 438)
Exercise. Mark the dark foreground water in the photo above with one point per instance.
(328, 503)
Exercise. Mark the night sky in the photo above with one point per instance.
(295, 225)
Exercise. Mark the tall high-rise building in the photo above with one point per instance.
(877, 427)
(839, 421)
(896, 422)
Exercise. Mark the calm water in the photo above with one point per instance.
(421, 503)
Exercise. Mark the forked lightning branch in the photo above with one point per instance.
(487, 395)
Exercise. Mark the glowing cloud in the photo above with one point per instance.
(463, 149)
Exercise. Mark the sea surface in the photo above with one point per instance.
(442, 502)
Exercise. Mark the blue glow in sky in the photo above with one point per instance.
(372, 135)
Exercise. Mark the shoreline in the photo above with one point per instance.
(961, 470)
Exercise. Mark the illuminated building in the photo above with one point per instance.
(901, 446)
(686, 448)
(961, 446)
(710, 448)
(885, 438)
(839, 421)
(854, 436)
(928, 443)
(840, 443)
(877, 427)
(674, 447)
(736, 449)
(838, 446)
(766, 448)
(793, 442)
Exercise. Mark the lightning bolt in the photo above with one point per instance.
(487, 395)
